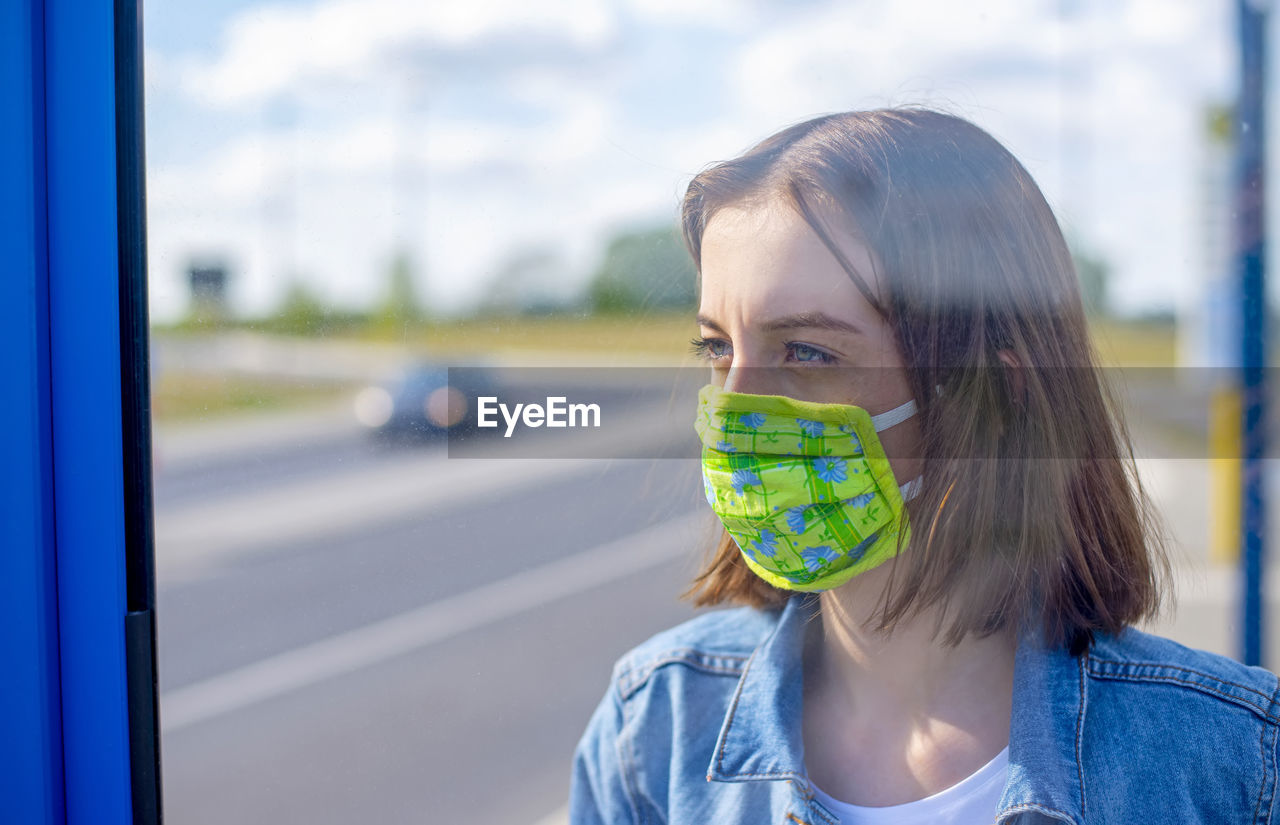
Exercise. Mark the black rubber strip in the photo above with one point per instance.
(135, 394)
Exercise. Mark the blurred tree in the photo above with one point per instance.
(301, 313)
(644, 269)
(1095, 277)
(401, 307)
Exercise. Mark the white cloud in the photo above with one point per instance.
(726, 15)
(1102, 103)
(518, 149)
(1161, 23)
(278, 50)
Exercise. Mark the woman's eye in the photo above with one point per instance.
(806, 354)
(709, 349)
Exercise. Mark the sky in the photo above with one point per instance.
(309, 141)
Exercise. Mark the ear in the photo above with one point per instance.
(1010, 359)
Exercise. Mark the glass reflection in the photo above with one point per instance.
(349, 199)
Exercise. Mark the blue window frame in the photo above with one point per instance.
(79, 742)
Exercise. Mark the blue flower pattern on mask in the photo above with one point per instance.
(752, 420)
(830, 469)
(860, 501)
(766, 543)
(726, 447)
(743, 479)
(795, 519)
(813, 429)
(815, 558)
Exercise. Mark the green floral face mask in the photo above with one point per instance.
(804, 489)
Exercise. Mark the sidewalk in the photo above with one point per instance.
(1206, 594)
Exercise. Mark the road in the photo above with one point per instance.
(360, 633)
(492, 607)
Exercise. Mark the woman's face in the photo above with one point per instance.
(780, 316)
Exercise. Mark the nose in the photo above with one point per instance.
(752, 380)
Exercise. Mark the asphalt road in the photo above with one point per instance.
(352, 632)
(384, 658)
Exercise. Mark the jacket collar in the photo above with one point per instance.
(761, 738)
(762, 734)
(1046, 771)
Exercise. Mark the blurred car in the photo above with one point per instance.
(422, 402)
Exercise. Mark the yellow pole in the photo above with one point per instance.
(1224, 452)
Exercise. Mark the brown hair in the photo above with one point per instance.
(1030, 506)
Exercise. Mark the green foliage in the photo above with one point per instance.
(1219, 123)
(302, 313)
(644, 270)
(1095, 276)
(401, 307)
(198, 319)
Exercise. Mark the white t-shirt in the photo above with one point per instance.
(972, 801)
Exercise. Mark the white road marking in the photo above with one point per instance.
(356, 649)
(191, 537)
(560, 816)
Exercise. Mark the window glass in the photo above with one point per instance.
(363, 618)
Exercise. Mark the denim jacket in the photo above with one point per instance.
(702, 724)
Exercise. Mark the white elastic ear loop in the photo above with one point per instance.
(884, 421)
(897, 415)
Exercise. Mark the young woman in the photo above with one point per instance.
(929, 516)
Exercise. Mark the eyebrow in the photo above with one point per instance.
(802, 320)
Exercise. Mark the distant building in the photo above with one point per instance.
(208, 284)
